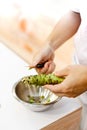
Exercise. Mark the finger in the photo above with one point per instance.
(48, 68)
(65, 95)
(63, 72)
(62, 94)
(44, 69)
(51, 67)
(55, 88)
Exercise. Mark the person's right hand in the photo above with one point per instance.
(45, 55)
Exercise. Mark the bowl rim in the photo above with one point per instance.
(27, 103)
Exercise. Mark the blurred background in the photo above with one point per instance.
(26, 24)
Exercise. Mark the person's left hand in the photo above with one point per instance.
(74, 84)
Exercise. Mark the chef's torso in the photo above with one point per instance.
(81, 35)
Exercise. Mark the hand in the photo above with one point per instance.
(75, 82)
(45, 55)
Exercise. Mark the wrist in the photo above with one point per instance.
(53, 46)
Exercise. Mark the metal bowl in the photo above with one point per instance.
(35, 98)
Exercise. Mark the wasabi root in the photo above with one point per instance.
(42, 79)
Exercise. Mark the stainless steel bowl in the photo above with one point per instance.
(34, 98)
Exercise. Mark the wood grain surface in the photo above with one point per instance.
(69, 122)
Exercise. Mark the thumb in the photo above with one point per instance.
(63, 72)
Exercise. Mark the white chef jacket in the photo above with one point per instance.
(80, 42)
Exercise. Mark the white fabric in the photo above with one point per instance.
(83, 100)
(80, 6)
(83, 97)
(81, 36)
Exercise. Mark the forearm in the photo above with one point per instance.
(64, 29)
